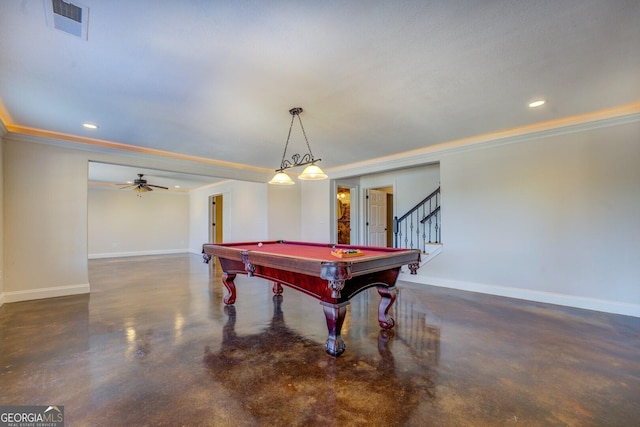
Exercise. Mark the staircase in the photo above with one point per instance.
(420, 228)
(432, 250)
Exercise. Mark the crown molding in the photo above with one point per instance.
(113, 152)
(434, 153)
(93, 144)
(429, 154)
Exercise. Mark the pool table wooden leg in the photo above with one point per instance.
(388, 297)
(277, 288)
(335, 314)
(227, 280)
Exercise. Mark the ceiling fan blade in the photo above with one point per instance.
(140, 185)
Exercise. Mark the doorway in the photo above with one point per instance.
(345, 222)
(344, 215)
(379, 210)
(215, 218)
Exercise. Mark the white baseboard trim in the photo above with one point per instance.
(57, 291)
(137, 253)
(606, 306)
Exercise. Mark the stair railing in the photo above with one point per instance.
(419, 226)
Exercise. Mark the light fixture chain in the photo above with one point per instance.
(312, 172)
(284, 155)
(305, 137)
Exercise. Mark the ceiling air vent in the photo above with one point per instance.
(72, 18)
(67, 10)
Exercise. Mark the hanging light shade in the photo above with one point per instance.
(281, 178)
(311, 172)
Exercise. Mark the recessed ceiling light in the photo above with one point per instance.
(90, 125)
(176, 186)
(537, 103)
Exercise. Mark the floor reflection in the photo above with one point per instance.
(417, 329)
(280, 368)
(133, 353)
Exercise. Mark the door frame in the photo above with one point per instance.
(391, 209)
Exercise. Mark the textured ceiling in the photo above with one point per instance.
(216, 79)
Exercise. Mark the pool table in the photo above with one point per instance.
(330, 273)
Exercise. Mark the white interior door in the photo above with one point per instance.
(376, 218)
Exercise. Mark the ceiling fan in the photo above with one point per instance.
(140, 185)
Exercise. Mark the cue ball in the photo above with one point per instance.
(260, 244)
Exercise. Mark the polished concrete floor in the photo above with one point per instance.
(154, 345)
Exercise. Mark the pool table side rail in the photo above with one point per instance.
(311, 266)
(267, 243)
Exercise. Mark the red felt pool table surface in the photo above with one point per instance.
(312, 251)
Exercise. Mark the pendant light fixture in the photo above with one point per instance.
(311, 172)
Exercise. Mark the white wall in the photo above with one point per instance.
(45, 221)
(316, 211)
(122, 224)
(244, 208)
(46, 216)
(285, 210)
(251, 211)
(550, 218)
(555, 219)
